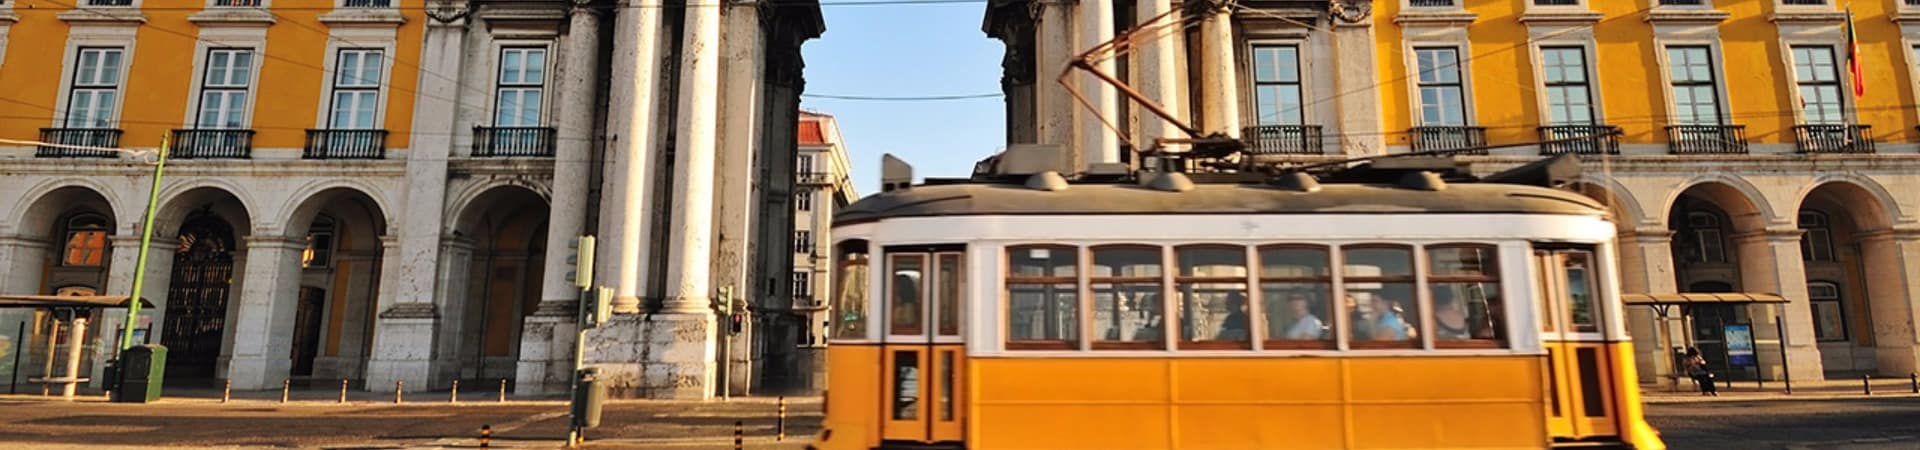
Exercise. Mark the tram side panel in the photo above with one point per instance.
(853, 398)
(1367, 402)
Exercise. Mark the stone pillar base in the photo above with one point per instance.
(254, 372)
(402, 351)
(546, 354)
(664, 356)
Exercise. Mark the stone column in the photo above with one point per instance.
(632, 138)
(742, 95)
(566, 217)
(403, 332)
(1219, 76)
(125, 254)
(23, 259)
(1358, 105)
(263, 325)
(1054, 109)
(1892, 260)
(1770, 262)
(1157, 75)
(686, 362)
(432, 143)
(1098, 143)
(1646, 266)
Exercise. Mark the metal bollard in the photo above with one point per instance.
(284, 386)
(226, 393)
(398, 387)
(486, 436)
(1866, 386)
(503, 390)
(343, 390)
(1914, 379)
(780, 427)
(739, 430)
(454, 397)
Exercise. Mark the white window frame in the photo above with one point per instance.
(1721, 100)
(1841, 80)
(244, 87)
(70, 79)
(333, 85)
(544, 87)
(803, 199)
(1463, 66)
(1839, 301)
(1588, 63)
(1301, 73)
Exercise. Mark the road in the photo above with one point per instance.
(1892, 423)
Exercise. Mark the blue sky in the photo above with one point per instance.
(908, 50)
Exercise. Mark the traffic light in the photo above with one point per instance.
(602, 306)
(582, 262)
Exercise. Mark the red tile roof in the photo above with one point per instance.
(810, 133)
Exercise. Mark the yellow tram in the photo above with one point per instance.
(1396, 309)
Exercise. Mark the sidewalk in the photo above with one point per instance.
(1882, 388)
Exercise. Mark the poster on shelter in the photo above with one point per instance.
(1740, 345)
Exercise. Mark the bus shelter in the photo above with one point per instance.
(72, 310)
(1689, 304)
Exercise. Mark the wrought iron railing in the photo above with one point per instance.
(1833, 138)
(346, 144)
(1580, 139)
(85, 137)
(1282, 139)
(195, 144)
(1431, 3)
(513, 141)
(1707, 139)
(1556, 2)
(1448, 138)
(367, 3)
(242, 3)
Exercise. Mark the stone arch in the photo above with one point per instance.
(24, 213)
(496, 259)
(306, 202)
(341, 226)
(1619, 200)
(1881, 211)
(228, 200)
(462, 201)
(1742, 201)
(38, 263)
(1861, 316)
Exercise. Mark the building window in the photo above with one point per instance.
(1379, 283)
(96, 87)
(356, 89)
(1276, 85)
(520, 87)
(1569, 95)
(802, 284)
(803, 200)
(1043, 286)
(1696, 94)
(1829, 314)
(803, 164)
(1819, 82)
(1816, 239)
(1296, 292)
(223, 88)
(1442, 94)
(1707, 245)
(803, 241)
(1464, 284)
(86, 241)
(319, 251)
(1128, 289)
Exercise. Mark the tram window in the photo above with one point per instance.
(1042, 297)
(950, 293)
(1465, 286)
(908, 292)
(1296, 287)
(850, 303)
(1581, 309)
(1379, 285)
(1213, 296)
(1127, 292)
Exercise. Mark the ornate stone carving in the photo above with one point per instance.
(1350, 11)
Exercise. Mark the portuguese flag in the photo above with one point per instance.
(1853, 58)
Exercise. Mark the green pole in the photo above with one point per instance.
(146, 240)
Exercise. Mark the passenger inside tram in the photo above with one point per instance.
(1305, 325)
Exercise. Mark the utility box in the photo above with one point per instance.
(142, 369)
(588, 398)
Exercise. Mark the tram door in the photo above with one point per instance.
(924, 356)
(1580, 367)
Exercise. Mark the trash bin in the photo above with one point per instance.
(142, 369)
(588, 397)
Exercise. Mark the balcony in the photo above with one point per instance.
(1580, 139)
(237, 3)
(1429, 139)
(367, 4)
(1282, 139)
(87, 137)
(815, 179)
(201, 144)
(513, 141)
(1833, 138)
(346, 144)
(1707, 139)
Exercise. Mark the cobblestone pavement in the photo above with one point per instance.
(36, 422)
(1780, 423)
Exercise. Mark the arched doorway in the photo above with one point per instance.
(498, 257)
(200, 284)
(1853, 281)
(343, 231)
(64, 246)
(1719, 245)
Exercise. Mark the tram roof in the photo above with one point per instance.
(1121, 198)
